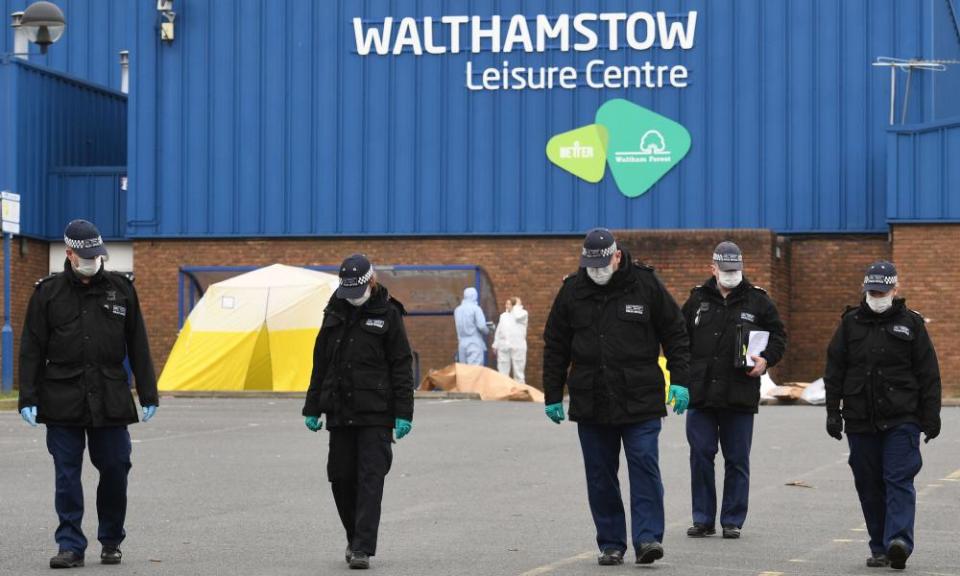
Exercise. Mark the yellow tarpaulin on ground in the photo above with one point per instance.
(252, 332)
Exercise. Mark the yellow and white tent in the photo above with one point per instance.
(252, 332)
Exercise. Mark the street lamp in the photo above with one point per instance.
(43, 24)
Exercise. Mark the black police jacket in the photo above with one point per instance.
(719, 328)
(75, 339)
(362, 364)
(882, 370)
(609, 338)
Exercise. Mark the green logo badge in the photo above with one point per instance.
(640, 146)
(581, 152)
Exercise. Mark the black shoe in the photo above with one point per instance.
(878, 561)
(359, 561)
(348, 554)
(700, 530)
(610, 557)
(111, 555)
(66, 559)
(648, 552)
(731, 532)
(898, 552)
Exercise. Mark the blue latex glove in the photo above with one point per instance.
(402, 427)
(679, 397)
(148, 412)
(555, 412)
(313, 423)
(29, 415)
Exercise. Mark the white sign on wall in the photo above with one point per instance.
(500, 35)
(10, 206)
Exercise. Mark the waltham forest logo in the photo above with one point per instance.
(639, 145)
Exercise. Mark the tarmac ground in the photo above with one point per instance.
(239, 487)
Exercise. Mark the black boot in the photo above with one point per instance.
(110, 555)
(66, 559)
(731, 532)
(359, 561)
(898, 552)
(348, 554)
(610, 557)
(700, 530)
(878, 561)
(648, 552)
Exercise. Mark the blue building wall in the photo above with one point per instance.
(97, 30)
(924, 173)
(261, 119)
(54, 128)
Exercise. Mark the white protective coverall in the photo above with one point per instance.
(471, 329)
(510, 342)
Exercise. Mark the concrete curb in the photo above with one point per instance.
(419, 395)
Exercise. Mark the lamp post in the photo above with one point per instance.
(43, 24)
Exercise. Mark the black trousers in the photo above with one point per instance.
(110, 454)
(359, 460)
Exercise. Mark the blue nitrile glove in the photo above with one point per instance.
(555, 412)
(29, 415)
(148, 412)
(680, 397)
(402, 427)
(313, 423)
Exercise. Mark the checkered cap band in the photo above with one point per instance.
(880, 279)
(604, 253)
(83, 244)
(351, 281)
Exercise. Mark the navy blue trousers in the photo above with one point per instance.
(884, 465)
(601, 458)
(734, 431)
(110, 454)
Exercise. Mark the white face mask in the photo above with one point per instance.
(882, 304)
(88, 266)
(730, 279)
(601, 276)
(361, 300)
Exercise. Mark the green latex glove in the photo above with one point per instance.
(313, 423)
(679, 397)
(555, 412)
(402, 427)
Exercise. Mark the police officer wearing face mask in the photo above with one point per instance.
(724, 390)
(606, 328)
(883, 384)
(79, 327)
(363, 381)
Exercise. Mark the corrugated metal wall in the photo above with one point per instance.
(97, 30)
(260, 119)
(49, 122)
(924, 173)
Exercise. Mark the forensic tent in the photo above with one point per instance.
(251, 332)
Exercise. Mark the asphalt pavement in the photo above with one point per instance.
(238, 487)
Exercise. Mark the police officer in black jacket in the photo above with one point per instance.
(607, 326)
(363, 381)
(725, 386)
(80, 326)
(883, 384)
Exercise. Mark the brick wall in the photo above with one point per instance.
(929, 272)
(29, 264)
(812, 279)
(531, 268)
(826, 273)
